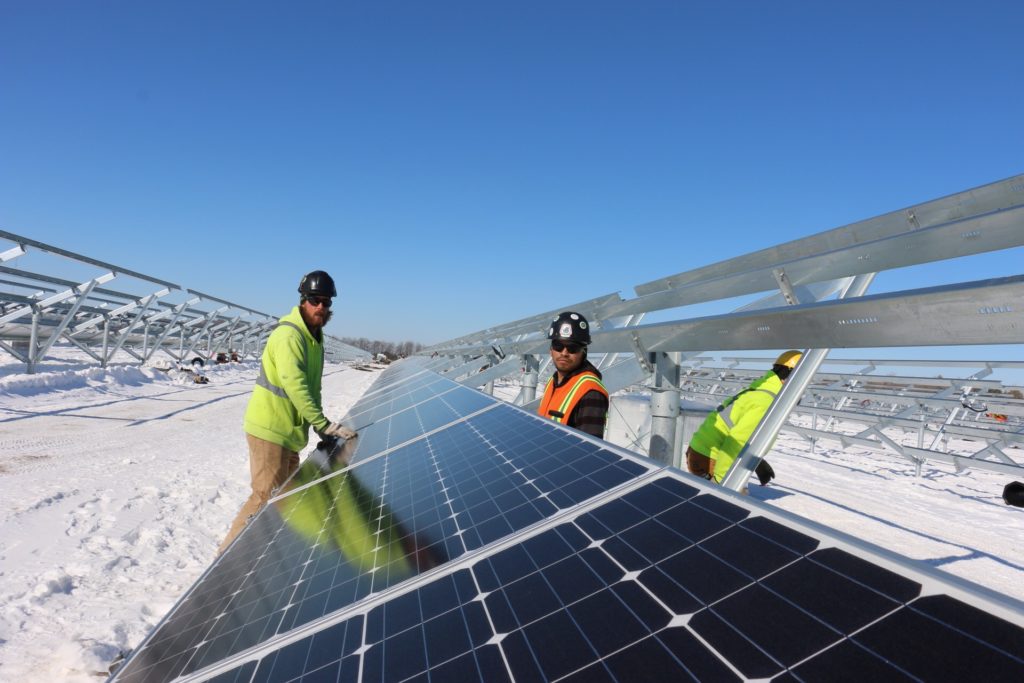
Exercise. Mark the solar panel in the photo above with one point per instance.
(472, 540)
(663, 583)
(338, 536)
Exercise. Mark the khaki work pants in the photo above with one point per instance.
(270, 466)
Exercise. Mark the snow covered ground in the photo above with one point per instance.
(116, 488)
(117, 485)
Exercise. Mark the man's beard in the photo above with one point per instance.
(327, 316)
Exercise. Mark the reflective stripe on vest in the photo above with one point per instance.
(264, 381)
(725, 410)
(570, 394)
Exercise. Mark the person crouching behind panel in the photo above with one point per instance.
(726, 430)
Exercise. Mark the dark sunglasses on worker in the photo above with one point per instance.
(319, 300)
(558, 347)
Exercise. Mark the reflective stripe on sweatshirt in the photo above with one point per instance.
(264, 381)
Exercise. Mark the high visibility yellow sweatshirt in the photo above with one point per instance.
(726, 430)
(286, 399)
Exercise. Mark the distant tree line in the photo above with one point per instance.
(392, 350)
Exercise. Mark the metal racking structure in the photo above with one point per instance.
(814, 296)
(65, 297)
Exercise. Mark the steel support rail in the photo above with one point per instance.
(982, 312)
(778, 412)
(991, 198)
(915, 455)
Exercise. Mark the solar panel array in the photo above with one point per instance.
(469, 540)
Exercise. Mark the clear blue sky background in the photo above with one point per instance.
(456, 165)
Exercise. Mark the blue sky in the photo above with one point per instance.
(456, 165)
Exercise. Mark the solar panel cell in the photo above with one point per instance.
(999, 633)
(691, 521)
(557, 645)
(846, 662)
(886, 582)
(668, 591)
(781, 535)
(674, 654)
(483, 664)
(930, 649)
(726, 642)
(791, 636)
(838, 601)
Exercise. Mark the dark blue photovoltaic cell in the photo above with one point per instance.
(336, 539)
(662, 584)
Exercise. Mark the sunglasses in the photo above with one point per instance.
(319, 301)
(558, 347)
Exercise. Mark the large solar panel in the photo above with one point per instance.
(499, 546)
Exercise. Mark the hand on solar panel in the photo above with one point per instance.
(337, 431)
(333, 436)
(333, 453)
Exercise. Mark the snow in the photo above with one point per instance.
(117, 485)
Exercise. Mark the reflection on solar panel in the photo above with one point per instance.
(499, 546)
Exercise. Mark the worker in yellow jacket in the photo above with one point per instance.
(285, 402)
(726, 430)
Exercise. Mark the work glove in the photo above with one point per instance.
(332, 435)
(336, 431)
(764, 472)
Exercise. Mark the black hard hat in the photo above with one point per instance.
(571, 327)
(317, 283)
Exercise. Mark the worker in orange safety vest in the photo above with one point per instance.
(574, 395)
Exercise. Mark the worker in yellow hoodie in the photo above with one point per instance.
(726, 430)
(285, 402)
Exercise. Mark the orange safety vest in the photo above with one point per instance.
(558, 403)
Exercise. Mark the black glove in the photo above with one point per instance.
(327, 444)
(1013, 494)
(764, 472)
